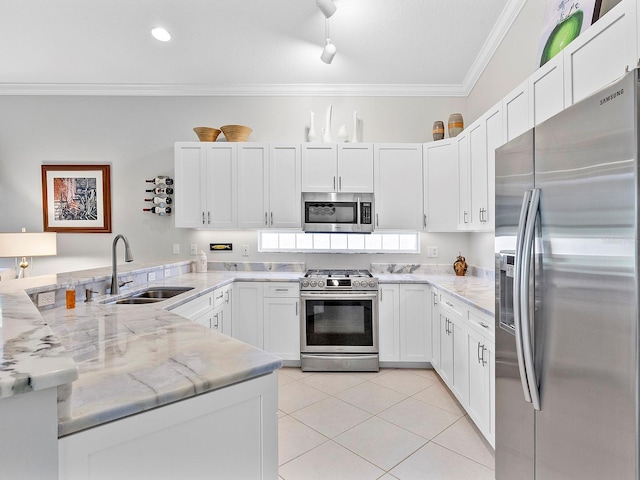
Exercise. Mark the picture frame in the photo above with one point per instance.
(563, 22)
(76, 198)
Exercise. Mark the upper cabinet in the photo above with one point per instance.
(398, 186)
(269, 185)
(440, 169)
(328, 167)
(546, 91)
(515, 111)
(205, 185)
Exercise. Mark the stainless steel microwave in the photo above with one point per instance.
(337, 212)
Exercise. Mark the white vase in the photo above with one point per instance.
(354, 137)
(326, 131)
(342, 134)
(311, 136)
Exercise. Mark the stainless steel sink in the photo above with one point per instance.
(150, 295)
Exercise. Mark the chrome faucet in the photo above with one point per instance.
(115, 285)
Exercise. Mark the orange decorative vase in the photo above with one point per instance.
(456, 124)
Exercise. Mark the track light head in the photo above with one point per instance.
(328, 52)
(327, 7)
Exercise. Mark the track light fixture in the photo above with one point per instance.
(327, 7)
(329, 50)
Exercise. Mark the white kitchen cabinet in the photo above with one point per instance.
(221, 317)
(205, 185)
(481, 373)
(248, 313)
(269, 186)
(546, 90)
(435, 329)
(453, 349)
(337, 168)
(602, 53)
(282, 320)
(389, 322)
(440, 170)
(199, 309)
(493, 125)
(464, 199)
(515, 111)
(398, 186)
(415, 323)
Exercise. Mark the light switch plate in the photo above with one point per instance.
(151, 276)
(245, 250)
(176, 249)
(46, 298)
(432, 252)
(167, 272)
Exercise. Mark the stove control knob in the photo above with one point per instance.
(313, 283)
(320, 283)
(372, 284)
(355, 283)
(305, 283)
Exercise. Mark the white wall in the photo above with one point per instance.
(136, 136)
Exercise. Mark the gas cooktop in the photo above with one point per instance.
(338, 273)
(338, 279)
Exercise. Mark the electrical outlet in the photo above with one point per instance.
(245, 250)
(432, 252)
(151, 276)
(194, 249)
(167, 272)
(176, 249)
(46, 298)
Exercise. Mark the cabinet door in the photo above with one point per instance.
(285, 201)
(515, 108)
(546, 90)
(415, 323)
(601, 54)
(478, 175)
(248, 308)
(493, 127)
(282, 327)
(222, 194)
(190, 185)
(355, 168)
(460, 380)
(480, 358)
(435, 330)
(319, 168)
(398, 186)
(446, 347)
(464, 200)
(440, 168)
(253, 185)
(389, 323)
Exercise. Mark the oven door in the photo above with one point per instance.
(339, 322)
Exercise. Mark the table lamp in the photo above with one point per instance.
(37, 244)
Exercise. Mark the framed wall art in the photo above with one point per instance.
(564, 20)
(76, 198)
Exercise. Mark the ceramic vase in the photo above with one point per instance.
(354, 137)
(438, 130)
(326, 131)
(342, 134)
(311, 136)
(456, 124)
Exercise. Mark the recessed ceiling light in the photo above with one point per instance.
(161, 34)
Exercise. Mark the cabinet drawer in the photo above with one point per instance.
(281, 289)
(219, 296)
(451, 304)
(482, 323)
(195, 307)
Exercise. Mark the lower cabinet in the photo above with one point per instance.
(221, 319)
(463, 356)
(267, 315)
(212, 310)
(404, 323)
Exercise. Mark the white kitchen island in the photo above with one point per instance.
(156, 396)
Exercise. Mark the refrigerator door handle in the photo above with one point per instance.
(524, 298)
(516, 294)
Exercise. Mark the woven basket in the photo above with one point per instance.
(236, 133)
(207, 134)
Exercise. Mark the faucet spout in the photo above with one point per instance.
(128, 257)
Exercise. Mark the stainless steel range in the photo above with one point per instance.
(339, 321)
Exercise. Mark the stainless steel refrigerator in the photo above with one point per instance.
(567, 295)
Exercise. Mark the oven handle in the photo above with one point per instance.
(342, 295)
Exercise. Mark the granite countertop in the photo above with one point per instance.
(110, 361)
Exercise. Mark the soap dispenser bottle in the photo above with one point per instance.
(201, 262)
(71, 293)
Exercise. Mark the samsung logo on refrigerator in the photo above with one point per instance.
(608, 98)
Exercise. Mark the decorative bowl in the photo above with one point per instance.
(236, 133)
(207, 134)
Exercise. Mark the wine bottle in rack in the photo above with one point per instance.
(159, 200)
(160, 180)
(161, 189)
(158, 210)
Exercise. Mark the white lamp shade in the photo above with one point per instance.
(26, 244)
(328, 52)
(327, 7)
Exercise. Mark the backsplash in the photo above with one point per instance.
(257, 266)
(430, 268)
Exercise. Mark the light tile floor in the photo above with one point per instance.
(394, 424)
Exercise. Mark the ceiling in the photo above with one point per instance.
(248, 47)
